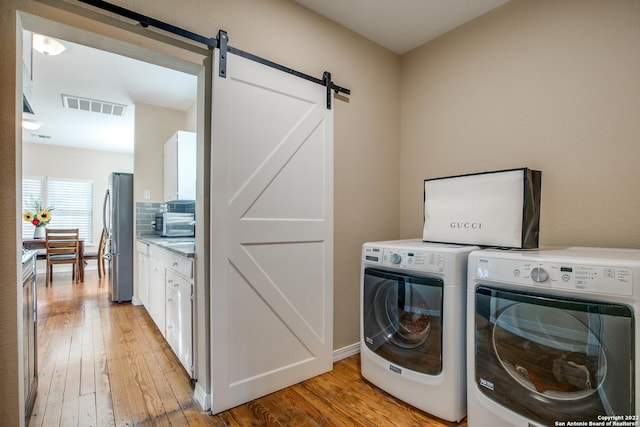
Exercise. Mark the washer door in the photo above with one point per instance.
(402, 319)
(573, 357)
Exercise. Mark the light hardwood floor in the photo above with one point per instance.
(104, 364)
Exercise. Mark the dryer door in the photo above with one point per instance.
(402, 319)
(574, 358)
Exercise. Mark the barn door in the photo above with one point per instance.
(272, 232)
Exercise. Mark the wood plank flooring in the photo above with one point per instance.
(103, 364)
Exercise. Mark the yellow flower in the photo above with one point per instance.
(44, 216)
(39, 215)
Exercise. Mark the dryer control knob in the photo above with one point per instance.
(539, 275)
(395, 258)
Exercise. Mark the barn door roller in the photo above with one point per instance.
(221, 43)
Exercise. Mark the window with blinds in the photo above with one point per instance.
(71, 200)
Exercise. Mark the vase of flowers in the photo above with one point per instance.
(39, 216)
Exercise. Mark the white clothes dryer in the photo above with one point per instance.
(553, 337)
(413, 323)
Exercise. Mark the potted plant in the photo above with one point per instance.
(39, 216)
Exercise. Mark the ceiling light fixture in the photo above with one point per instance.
(47, 45)
(30, 124)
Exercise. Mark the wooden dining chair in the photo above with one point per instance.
(62, 248)
(98, 255)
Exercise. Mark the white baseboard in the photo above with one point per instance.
(136, 301)
(201, 397)
(344, 352)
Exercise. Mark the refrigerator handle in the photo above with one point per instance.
(105, 206)
(115, 209)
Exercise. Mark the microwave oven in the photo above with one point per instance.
(175, 224)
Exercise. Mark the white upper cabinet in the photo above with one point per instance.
(180, 167)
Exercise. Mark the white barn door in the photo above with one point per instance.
(272, 232)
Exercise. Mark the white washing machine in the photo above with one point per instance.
(412, 331)
(553, 337)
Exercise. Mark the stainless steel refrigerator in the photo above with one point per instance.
(118, 225)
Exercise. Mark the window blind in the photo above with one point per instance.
(72, 200)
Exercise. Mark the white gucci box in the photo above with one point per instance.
(499, 208)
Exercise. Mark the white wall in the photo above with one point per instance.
(74, 163)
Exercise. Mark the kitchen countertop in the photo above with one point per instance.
(184, 246)
(27, 254)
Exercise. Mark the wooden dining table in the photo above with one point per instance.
(42, 244)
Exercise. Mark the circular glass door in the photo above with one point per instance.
(549, 351)
(402, 312)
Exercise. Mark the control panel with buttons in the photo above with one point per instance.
(585, 278)
(431, 261)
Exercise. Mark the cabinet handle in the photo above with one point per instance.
(170, 299)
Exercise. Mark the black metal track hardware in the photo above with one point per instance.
(146, 21)
(223, 39)
(326, 78)
(221, 43)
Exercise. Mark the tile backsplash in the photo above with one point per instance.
(146, 214)
(145, 218)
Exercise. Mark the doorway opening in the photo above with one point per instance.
(82, 138)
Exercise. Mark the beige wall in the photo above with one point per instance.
(366, 129)
(153, 127)
(552, 85)
(191, 123)
(73, 163)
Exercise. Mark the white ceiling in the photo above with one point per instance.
(399, 25)
(90, 73)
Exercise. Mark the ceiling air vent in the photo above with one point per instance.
(93, 105)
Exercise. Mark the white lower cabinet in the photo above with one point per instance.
(179, 312)
(143, 273)
(156, 307)
(170, 301)
(172, 318)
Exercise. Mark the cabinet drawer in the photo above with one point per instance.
(183, 266)
(142, 247)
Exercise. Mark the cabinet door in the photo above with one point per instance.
(181, 318)
(157, 293)
(172, 317)
(186, 317)
(143, 279)
(30, 350)
(26, 332)
(180, 167)
(186, 174)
